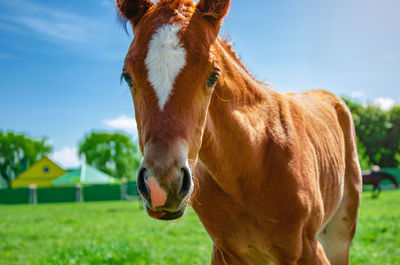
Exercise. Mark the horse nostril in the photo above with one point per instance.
(186, 182)
(141, 185)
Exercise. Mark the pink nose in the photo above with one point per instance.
(157, 194)
(164, 192)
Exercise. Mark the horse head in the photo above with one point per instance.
(172, 73)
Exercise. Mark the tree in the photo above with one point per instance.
(372, 131)
(18, 152)
(365, 163)
(392, 141)
(378, 132)
(114, 154)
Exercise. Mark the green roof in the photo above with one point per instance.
(395, 172)
(86, 174)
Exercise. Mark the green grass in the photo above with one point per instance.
(121, 233)
(98, 233)
(377, 240)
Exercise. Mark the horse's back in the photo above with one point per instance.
(326, 116)
(321, 129)
(334, 141)
(345, 120)
(325, 142)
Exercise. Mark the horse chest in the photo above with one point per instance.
(235, 233)
(239, 238)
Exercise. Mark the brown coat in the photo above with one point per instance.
(277, 178)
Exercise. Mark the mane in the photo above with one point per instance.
(182, 9)
(123, 22)
(228, 47)
(174, 3)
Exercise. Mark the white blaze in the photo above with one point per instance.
(165, 59)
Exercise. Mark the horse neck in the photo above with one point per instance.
(243, 116)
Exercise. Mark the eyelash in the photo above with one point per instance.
(213, 79)
(127, 78)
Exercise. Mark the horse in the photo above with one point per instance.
(273, 177)
(374, 178)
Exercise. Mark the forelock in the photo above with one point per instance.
(166, 57)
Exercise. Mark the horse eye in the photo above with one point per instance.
(128, 79)
(212, 79)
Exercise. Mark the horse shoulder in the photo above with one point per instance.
(322, 124)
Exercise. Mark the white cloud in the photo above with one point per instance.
(66, 157)
(123, 123)
(27, 16)
(5, 56)
(64, 30)
(50, 142)
(71, 29)
(107, 3)
(357, 94)
(384, 103)
(389, 57)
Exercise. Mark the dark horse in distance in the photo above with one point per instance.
(374, 178)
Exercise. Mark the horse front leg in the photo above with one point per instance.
(313, 253)
(379, 190)
(310, 250)
(376, 191)
(295, 243)
(217, 257)
(220, 257)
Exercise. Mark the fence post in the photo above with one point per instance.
(124, 189)
(32, 194)
(78, 193)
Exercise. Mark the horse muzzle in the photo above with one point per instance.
(164, 183)
(166, 216)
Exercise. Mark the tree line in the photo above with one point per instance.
(378, 139)
(113, 153)
(378, 134)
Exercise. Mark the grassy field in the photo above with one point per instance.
(121, 233)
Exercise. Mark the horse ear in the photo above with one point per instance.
(214, 9)
(133, 9)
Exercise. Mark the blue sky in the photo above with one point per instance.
(60, 61)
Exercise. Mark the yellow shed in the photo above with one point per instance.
(42, 173)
